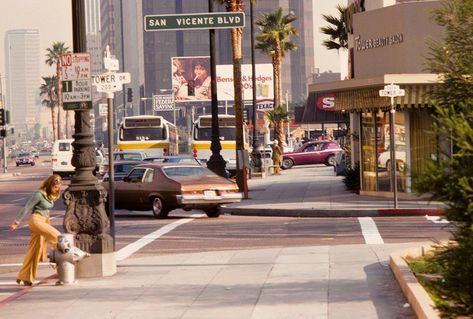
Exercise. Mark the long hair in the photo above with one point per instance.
(48, 184)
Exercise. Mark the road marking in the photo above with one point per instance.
(436, 219)
(18, 200)
(370, 231)
(130, 249)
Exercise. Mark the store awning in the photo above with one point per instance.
(363, 94)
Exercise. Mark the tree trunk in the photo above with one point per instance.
(236, 57)
(53, 116)
(59, 98)
(277, 61)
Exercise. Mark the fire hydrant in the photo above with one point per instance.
(64, 256)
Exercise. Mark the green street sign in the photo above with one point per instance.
(195, 21)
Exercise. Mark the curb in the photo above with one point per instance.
(416, 295)
(331, 212)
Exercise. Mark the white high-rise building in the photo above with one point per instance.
(23, 79)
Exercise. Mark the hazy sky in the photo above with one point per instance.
(325, 59)
(51, 17)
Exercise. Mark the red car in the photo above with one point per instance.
(316, 152)
(25, 159)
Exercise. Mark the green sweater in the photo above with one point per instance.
(38, 203)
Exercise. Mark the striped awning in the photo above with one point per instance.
(362, 99)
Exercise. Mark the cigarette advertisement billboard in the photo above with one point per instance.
(191, 80)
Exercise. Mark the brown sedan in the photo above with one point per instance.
(165, 186)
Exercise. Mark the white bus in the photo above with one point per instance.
(150, 134)
(201, 139)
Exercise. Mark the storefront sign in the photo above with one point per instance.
(374, 43)
(325, 102)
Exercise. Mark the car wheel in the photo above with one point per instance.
(330, 161)
(212, 212)
(17, 164)
(287, 163)
(159, 208)
(32, 164)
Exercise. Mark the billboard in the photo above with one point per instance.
(191, 80)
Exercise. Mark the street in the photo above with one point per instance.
(206, 234)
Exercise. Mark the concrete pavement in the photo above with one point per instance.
(350, 281)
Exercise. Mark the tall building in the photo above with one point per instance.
(159, 47)
(22, 64)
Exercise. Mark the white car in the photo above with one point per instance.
(384, 158)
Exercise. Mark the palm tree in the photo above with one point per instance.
(48, 98)
(336, 30)
(273, 40)
(53, 56)
(237, 34)
(277, 118)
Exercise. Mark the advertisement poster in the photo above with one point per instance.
(191, 80)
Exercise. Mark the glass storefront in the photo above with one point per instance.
(375, 151)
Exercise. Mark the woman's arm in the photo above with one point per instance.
(28, 206)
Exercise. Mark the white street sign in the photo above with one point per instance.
(392, 90)
(75, 80)
(110, 81)
(163, 102)
(103, 108)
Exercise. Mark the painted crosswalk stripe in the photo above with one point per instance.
(370, 231)
(130, 249)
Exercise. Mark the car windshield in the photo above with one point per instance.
(24, 154)
(124, 168)
(128, 156)
(187, 171)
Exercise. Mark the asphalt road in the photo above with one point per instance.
(197, 234)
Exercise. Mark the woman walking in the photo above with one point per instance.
(41, 230)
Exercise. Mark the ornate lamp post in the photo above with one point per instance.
(85, 198)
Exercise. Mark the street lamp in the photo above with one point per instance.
(173, 103)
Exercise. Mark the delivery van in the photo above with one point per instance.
(61, 157)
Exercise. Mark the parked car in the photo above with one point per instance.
(120, 156)
(385, 157)
(268, 150)
(121, 169)
(129, 156)
(314, 152)
(183, 159)
(162, 187)
(25, 158)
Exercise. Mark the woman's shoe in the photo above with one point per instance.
(25, 282)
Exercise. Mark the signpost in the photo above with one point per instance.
(194, 21)
(110, 82)
(76, 86)
(392, 91)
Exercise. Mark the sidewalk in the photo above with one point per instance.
(314, 191)
(351, 281)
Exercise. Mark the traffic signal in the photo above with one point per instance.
(190, 88)
(129, 95)
(7, 117)
(3, 133)
(2, 117)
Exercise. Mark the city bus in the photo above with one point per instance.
(201, 139)
(152, 135)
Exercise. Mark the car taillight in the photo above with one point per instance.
(54, 159)
(194, 152)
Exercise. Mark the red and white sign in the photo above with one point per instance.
(325, 102)
(264, 105)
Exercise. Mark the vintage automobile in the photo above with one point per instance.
(314, 152)
(183, 159)
(162, 187)
(24, 158)
(122, 168)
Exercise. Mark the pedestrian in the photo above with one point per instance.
(276, 157)
(41, 230)
(297, 144)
